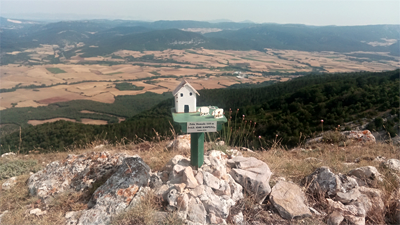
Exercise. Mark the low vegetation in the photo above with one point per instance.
(55, 70)
(127, 87)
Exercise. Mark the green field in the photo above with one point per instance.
(55, 70)
(127, 87)
(124, 106)
(113, 73)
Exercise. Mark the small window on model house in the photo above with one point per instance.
(190, 93)
(181, 94)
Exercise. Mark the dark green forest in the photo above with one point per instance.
(292, 110)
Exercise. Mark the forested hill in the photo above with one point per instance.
(160, 35)
(291, 109)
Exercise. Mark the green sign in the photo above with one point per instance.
(196, 125)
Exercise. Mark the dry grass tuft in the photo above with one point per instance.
(148, 211)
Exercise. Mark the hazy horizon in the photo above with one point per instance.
(319, 13)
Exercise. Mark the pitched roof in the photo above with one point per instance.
(181, 85)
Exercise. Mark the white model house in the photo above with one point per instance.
(185, 98)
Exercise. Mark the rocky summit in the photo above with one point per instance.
(228, 188)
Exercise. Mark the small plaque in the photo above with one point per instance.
(200, 127)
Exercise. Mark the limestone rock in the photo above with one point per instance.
(205, 194)
(188, 178)
(155, 181)
(9, 183)
(371, 200)
(197, 191)
(76, 172)
(214, 219)
(118, 192)
(238, 219)
(348, 197)
(181, 142)
(335, 218)
(236, 189)
(214, 204)
(199, 177)
(368, 174)
(253, 175)
(393, 164)
(323, 180)
(217, 161)
(180, 187)
(72, 217)
(364, 136)
(8, 154)
(211, 181)
(37, 212)
(354, 213)
(289, 200)
(233, 153)
(172, 196)
(182, 205)
(196, 211)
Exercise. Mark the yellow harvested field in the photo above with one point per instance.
(203, 68)
(38, 122)
(94, 122)
(84, 121)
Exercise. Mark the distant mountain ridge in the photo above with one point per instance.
(137, 35)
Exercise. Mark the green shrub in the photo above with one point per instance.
(17, 167)
(333, 137)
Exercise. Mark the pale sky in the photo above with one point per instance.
(322, 12)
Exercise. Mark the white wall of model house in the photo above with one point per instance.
(185, 96)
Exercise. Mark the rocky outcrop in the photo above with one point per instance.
(76, 173)
(202, 196)
(349, 196)
(253, 175)
(323, 180)
(289, 200)
(118, 192)
(367, 174)
(364, 136)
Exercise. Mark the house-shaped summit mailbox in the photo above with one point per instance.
(195, 120)
(185, 98)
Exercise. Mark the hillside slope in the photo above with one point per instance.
(292, 110)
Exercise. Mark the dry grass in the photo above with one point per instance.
(149, 211)
(292, 164)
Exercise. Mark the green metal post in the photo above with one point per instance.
(197, 149)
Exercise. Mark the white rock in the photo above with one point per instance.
(189, 179)
(73, 173)
(9, 183)
(37, 212)
(253, 175)
(196, 211)
(238, 219)
(8, 154)
(211, 181)
(123, 189)
(181, 142)
(322, 179)
(361, 136)
(393, 164)
(289, 200)
(335, 218)
(368, 174)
